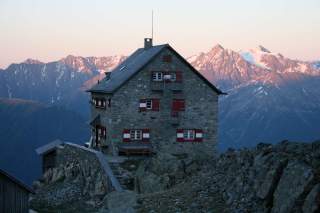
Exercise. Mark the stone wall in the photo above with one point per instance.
(201, 110)
(78, 176)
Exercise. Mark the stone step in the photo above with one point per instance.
(118, 174)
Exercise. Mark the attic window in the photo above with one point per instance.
(167, 58)
(157, 76)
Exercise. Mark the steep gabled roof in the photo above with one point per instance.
(133, 64)
(124, 71)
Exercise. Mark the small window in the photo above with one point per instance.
(101, 130)
(136, 134)
(188, 134)
(167, 58)
(99, 102)
(157, 76)
(149, 103)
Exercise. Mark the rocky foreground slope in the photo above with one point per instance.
(269, 178)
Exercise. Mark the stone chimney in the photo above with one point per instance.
(147, 43)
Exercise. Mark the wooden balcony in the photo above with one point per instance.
(138, 148)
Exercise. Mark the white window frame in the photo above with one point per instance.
(157, 76)
(136, 134)
(99, 103)
(189, 134)
(148, 103)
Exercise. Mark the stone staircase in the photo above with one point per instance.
(123, 176)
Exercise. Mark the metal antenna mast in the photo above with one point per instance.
(152, 24)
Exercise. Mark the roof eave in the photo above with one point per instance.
(17, 181)
(100, 91)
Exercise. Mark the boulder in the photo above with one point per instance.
(57, 174)
(312, 202)
(119, 202)
(296, 180)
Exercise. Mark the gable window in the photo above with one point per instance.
(189, 135)
(157, 76)
(167, 58)
(168, 76)
(131, 135)
(149, 105)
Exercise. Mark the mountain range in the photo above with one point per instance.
(25, 125)
(55, 83)
(270, 98)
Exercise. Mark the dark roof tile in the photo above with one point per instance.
(127, 69)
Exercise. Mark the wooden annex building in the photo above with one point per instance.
(14, 195)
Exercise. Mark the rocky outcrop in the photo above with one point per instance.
(312, 201)
(268, 178)
(164, 171)
(119, 202)
(79, 178)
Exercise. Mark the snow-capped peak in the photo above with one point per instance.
(254, 56)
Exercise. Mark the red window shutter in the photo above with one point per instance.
(198, 135)
(167, 58)
(181, 105)
(155, 104)
(145, 135)
(180, 135)
(175, 105)
(142, 105)
(178, 76)
(126, 135)
(178, 105)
